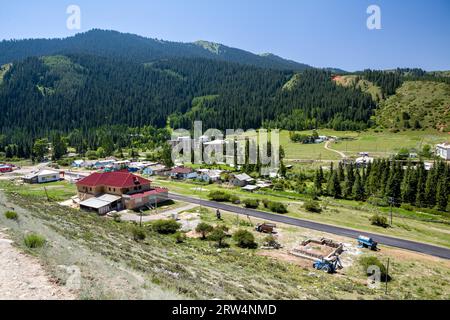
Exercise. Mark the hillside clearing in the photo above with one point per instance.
(426, 102)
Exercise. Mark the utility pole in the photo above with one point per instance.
(46, 193)
(387, 276)
(391, 202)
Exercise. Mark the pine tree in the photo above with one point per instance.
(349, 182)
(420, 193)
(442, 189)
(318, 180)
(358, 188)
(59, 147)
(394, 181)
(430, 187)
(409, 186)
(334, 186)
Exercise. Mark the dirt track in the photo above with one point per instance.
(23, 278)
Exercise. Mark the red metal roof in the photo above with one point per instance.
(148, 193)
(118, 179)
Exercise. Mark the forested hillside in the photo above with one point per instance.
(137, 49)
(64, 93)
(83, 86)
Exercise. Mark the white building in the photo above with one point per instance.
(42, 176)
(443, 150)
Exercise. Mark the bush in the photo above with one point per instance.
(219, 196)
(235, 199)
(379, 202)
(219, 234)
(11, 215)
(277, 207)
(91, 155)
(138, 233)
(244, 239)
(166, 226)
(180, 237)
(367, 262)
(251, 203)
(34, 241)
(379, 221)
(312, 206)
(203, 228)
(407, 207)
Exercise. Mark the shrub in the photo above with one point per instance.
(367, 262)
(235, 199)
(266, 203)
(379, 202)
(34, 241)
(219, 234)
(91, 155)
(407, 207)
(204, 228)
(312, 206)
(138, 233)
(219, 196)
(277, 207)
(251, 203)
(11, 215)
(180, 237)
(116, 217)
(166, 226)
(244, 239)
(379, 221)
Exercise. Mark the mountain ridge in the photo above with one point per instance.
(138, 48)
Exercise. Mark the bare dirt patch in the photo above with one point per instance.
(23, 278)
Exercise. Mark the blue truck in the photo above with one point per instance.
(367, 242)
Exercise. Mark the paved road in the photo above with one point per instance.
(381, 239)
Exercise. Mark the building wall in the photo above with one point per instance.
(48, 178)
(443, 153)
(96, 191)
(137, 203)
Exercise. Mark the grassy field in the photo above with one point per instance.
(378, 144)
(114, 266)
(411, 225)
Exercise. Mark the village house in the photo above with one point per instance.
(241, 180)
(443, 150)
(209, 175)
(182, 173)
(42, 176)
(102, 164)
(107, 191)
(78, 163)
(155, 170)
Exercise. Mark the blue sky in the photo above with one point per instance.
(323, 33)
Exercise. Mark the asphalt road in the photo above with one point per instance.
(381, 239)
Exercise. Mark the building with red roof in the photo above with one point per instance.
(106, 191)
